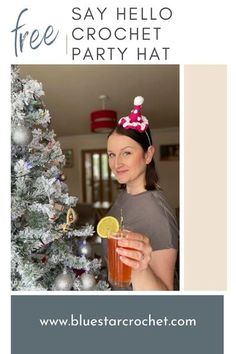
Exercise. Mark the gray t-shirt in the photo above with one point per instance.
(148, 213)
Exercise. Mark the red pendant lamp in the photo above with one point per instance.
(104, 120)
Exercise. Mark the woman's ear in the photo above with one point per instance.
(149, 154)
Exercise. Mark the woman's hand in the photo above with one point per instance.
(134, 250)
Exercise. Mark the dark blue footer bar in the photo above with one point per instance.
(117, 324)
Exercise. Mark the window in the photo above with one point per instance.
(99, 185)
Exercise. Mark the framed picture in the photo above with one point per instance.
(169, 152)
(68, 157)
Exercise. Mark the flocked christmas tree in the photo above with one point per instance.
(44, 232)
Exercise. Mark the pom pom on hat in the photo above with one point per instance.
(135, 120)
(138, 101)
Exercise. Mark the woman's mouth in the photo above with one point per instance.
(121, 172)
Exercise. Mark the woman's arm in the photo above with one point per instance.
(159, 275)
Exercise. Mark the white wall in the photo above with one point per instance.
(168, 170)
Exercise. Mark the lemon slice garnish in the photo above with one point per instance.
(107, 225)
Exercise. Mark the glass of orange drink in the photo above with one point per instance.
(119, 274)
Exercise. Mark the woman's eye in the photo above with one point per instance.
(126, 153)
(110, 155)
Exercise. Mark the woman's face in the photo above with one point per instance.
(127, 161)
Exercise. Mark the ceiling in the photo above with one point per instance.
(72, 93)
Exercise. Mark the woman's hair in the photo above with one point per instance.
(144, 139)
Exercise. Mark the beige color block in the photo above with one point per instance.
(205, 177)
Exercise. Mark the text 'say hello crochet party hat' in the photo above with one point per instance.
(135, 120)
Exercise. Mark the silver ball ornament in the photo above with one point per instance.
(63, 282)
(22, 135)
(88, 281)
(84, 249)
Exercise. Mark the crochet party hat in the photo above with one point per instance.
(135, 120)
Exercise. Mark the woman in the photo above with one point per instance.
(150, 249)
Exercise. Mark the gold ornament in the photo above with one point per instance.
(71, 217)
(63, 177)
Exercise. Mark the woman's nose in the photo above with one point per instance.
(118, 161)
